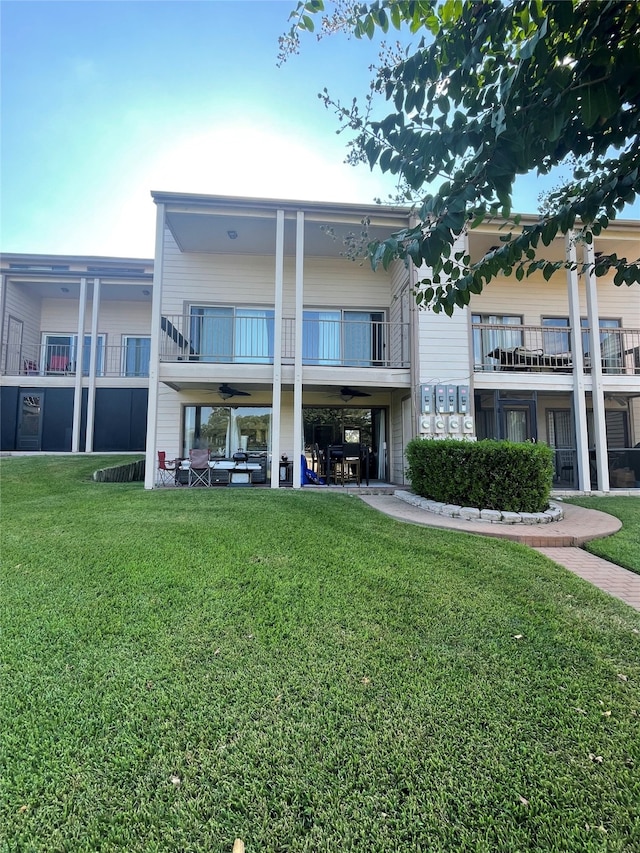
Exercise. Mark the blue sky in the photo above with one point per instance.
(102, 102)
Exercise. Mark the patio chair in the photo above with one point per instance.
(199, 468)
(335, 464)
(58, 364)
(30, 367)
(166, 469)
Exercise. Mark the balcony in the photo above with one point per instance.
(547, 349)
(128, 360)
(235, 339)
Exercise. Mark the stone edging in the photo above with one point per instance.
(493, 516)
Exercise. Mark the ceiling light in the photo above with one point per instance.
(64, 289)
(232, 235)
(346, 397)
(146, 292)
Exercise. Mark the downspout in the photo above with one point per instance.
(297, 369)
(93, 358)
(277, 354)
(597, 390)
(580, 406)
(77, 390)
(154, 354)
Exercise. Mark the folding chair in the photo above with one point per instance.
(166, 470)
(199, 468)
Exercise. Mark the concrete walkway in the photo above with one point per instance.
(560, 541)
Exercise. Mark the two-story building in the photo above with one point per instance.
(74, 359)
(269, 338)
(253, 329)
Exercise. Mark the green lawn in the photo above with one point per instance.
(623, 547)
(181, 667)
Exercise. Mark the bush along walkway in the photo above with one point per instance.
(560, 541)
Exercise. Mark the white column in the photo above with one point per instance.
(579, 402)
(599, 424)
(77, 391)
(154, 354)
(91, 397)
(298, 447)
(277, 352)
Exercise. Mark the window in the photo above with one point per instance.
(224, 429)
(351, 338)
(487, 340)
(232, 335)
(135, 355)
(61, 354)
(557, 339)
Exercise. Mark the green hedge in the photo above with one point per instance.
(485, 474)
(130, 472)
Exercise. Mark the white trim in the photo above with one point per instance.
(154, 356)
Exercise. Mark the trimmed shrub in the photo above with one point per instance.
(130, 472)
(503, 475)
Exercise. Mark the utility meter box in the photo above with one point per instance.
(425, 424)
(454, 424)
(467, 425)
(441, 399)
(463, 399)
(451, 400)
(426, 399)
(439, 424)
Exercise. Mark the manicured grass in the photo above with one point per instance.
(623, 547)
(182, 667)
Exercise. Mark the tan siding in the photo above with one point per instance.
(21, 306)
(534, 299)
(444, 347)
(114, 319)
(250, 280)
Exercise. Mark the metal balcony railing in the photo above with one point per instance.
(129, 360)
(547, 349)
(250, 340)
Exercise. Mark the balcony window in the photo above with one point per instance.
(136, 352)
(61, 354)
(231, 335)
(487, 340)
(558, 340)
(345, 338)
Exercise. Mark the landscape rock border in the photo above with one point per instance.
(492, 516)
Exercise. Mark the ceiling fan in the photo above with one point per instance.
(347, 393)
(227, 391)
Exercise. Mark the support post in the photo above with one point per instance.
(93, 360)
(579, 404)
(154, 354)
(77, 390)
(298, 447)
(277, 354)
(597, 387)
